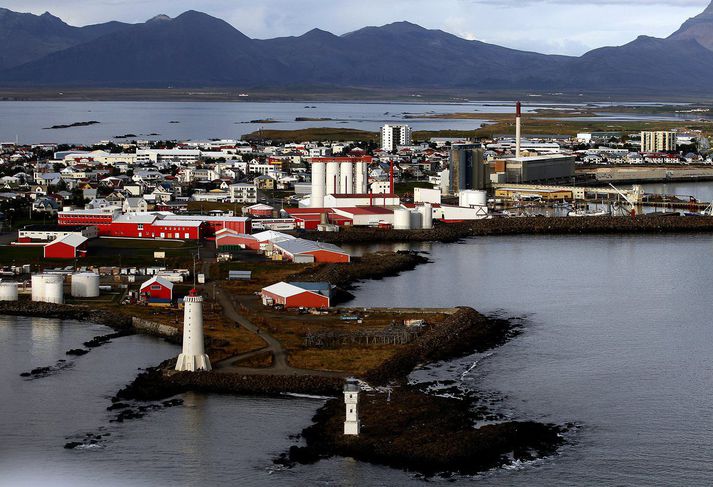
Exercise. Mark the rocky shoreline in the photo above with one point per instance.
(521, 226)
(420, 432)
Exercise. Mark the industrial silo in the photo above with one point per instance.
(85, 285)
(54, 289)
(318, 185)
(332, 178)
(8, 291)
(346, 183)
(402, 219)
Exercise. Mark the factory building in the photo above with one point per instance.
(338, 175)
(67, 247)
(554, 168)
(101, 218)
(393, 136)
(659, 141)
(298, 295)
(467, 168)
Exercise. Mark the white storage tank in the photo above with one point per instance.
(416, 220)
(427, 216)
(85, 285)
(38, 287)
(8, 291)
(54, 289)
(471, 198)
(402, 219)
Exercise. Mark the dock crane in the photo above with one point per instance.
(631, 204)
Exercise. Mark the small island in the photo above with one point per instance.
(75, 124)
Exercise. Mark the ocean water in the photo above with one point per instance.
(27, 121)
(616, 339)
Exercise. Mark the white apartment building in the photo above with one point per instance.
(661, 141)
(393, 136)
(243, 193)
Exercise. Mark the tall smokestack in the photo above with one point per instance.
(391, 177)
(518, 128)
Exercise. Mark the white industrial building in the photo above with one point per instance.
(343, 176)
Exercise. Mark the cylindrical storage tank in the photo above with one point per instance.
(8, 291)
(402, 219)
(38, 287)
(85, 285)
(332, 178)
(318, 185)
(416, 220)
(54, 289)
(427, 216)
(471, 198)
(346, 185)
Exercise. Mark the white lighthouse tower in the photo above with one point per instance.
(352, 425)
(193, 357)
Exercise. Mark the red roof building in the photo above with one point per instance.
(67, 247)
(297, 295)
(158, 290)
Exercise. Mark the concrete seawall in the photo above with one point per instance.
(155, 329)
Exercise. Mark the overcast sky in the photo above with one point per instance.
(550, 26)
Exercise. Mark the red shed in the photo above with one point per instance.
(158, 290)
(298, 294)
(260, 210)
(68, 247)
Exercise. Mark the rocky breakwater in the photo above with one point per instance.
(113, 320)
(370, 266)
(416, 431)
(524, 226)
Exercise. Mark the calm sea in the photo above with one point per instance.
(617, 339)
(27, 121)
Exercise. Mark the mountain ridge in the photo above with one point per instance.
(196, 49)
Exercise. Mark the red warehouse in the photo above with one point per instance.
(68, 247)
(301, 249)
(298, 294)
(158, 290)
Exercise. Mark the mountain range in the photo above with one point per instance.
(197, 50)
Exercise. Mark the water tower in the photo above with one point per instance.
(193, 357)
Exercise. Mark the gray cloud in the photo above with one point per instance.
(551, 26)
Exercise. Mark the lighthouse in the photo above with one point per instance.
(193, 358)
(352, 425)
